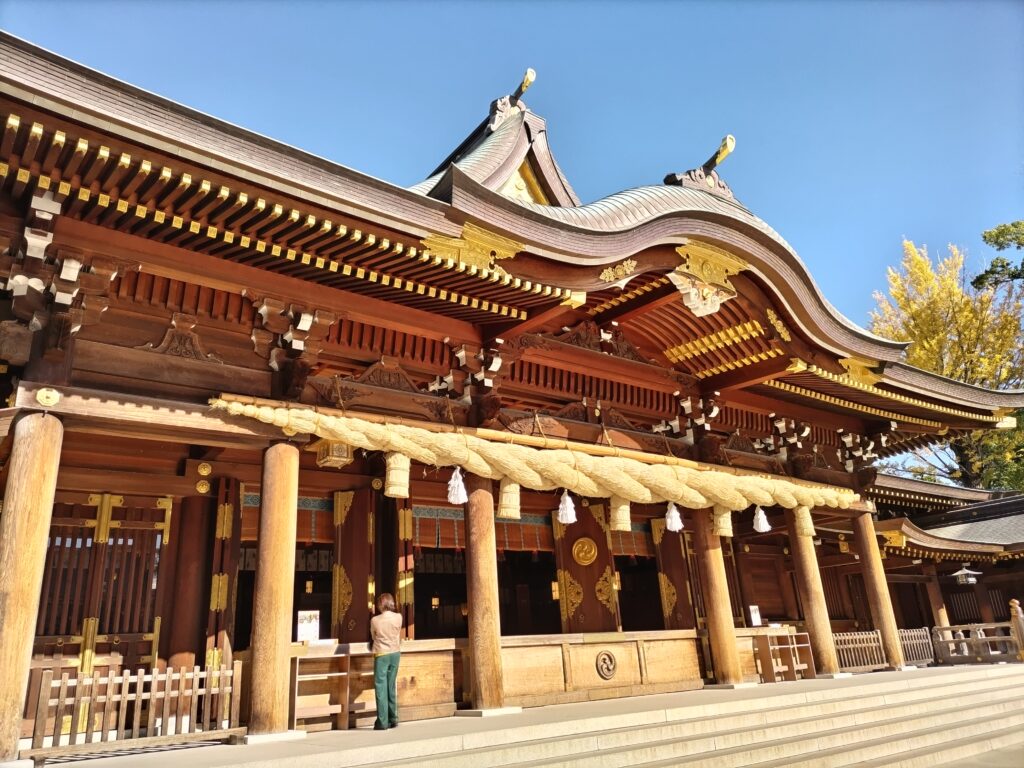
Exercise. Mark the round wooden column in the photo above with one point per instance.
(482, 595)
(812, 596)
(721, 630)
(275, 590)
(24, 530)
(935, 599)
(877, 589)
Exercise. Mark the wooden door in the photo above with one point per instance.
(673, 577)
(587, 585)
(352, 574)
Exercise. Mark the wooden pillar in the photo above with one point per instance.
(940, 616)
(24, 531)
(482, 595)
(190, 600)
(879, 602)
(981, 595)
(721, 630)
(812, 596)
(274, 591)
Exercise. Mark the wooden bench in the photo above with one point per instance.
(784, 657)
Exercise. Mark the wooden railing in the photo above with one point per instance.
(975, 644)
(860, 651)
(917, 646)
(89, 714)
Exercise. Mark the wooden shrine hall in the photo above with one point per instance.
(599, 449)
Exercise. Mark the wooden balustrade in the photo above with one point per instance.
(917, 646)
(988, 643)
(860, 651)
(92, 713)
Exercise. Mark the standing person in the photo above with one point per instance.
(385, 629)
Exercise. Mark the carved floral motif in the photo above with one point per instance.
(605, 589)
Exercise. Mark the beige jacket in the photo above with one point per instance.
(386, 629)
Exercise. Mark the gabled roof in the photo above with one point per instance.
(508, 153)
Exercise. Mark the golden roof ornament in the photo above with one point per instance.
(507, 106)
(706, 178)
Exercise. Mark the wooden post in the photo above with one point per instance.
(190, 598)
(721, 630)
(274, 591)
(981, 595)
(935, 599)
(24, 531)
(482, 594)
(812, 596)
(877, 589)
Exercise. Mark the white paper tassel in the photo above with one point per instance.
(566, 509)
(761, 524)
(457, 489)
(673, 521)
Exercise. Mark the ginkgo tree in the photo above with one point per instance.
(974, 335)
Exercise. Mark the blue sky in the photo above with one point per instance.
(857, 123)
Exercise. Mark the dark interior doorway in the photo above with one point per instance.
(639, 593)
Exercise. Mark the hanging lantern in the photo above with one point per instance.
(457, 489)
(508, 500)
(618, 515)
(396, 485)
(673, 520)
(761, 524)
(566, 509)
(966, 576)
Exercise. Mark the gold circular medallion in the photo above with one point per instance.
(203, 486)
(47, 397)
(377, 484)
(204, 469)
(584, 551)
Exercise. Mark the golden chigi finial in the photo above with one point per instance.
(724, 150)
(528, 79)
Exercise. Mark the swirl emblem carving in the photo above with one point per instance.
(584, 551)
(606, 665)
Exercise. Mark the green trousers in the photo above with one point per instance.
(385, 676)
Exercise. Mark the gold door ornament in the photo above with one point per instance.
(342, 589)
(605, 589)
(668, 595)
(570, 593)
(584, 551)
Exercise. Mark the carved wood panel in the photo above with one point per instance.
(353, 565)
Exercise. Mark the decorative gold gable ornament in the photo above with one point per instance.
(703, 277)
(859, 370)
(476, 248)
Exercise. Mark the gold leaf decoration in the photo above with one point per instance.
(342, 504)
(777, 324)
(605, 589)
(342, 588)
(571, 593)
(620, 271)
(668, 595)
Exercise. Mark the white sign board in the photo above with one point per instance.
(755, 616)
(309, 626)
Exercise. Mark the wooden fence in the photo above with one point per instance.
(917, 646)
(89, 714)
(975, 644)
(860, 651)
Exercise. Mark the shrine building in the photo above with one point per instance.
(594, 450)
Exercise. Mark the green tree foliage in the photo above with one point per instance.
(974, 335)
(1002, 238)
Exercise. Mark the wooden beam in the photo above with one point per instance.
(130, 483)
(141, 417)
(648, 302)
(198, 268)
(758, 373)
(767, 405)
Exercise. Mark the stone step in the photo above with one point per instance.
(740, 748)
(951, 752)
(592, 740)
(886, 751)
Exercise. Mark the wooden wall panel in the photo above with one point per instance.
(670, 661)
(532, 671)
(673, 577)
